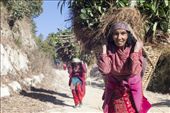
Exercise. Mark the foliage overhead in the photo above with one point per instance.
(89, 13)
(158, 15)
(20, 8)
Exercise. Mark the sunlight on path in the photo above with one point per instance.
(92, 102)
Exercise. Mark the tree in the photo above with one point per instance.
(20, 8)
(158, 16)
(89, 13)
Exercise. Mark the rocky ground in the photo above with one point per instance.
(54, 96)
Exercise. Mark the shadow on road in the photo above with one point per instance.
(44, 97)
(97, 85)
(49, 91)
(163, 103)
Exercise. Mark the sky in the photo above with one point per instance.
(51, 19)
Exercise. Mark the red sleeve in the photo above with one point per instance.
(84, 68)
(104, 64)
(136, 58)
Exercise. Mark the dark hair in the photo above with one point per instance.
(73, 64)
(111, 44)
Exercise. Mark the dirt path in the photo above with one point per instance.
(91, 104)
(54, 96)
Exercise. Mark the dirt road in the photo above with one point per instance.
(54, 96)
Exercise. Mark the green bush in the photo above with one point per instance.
(89, 12)
(20, 8)
(157, 14)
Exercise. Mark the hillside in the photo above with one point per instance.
(22, 63)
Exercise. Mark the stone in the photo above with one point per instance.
(5, 91)
(15, 86)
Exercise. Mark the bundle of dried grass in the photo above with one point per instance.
(92, 38)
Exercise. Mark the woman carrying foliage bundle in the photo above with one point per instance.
(77, 72)
(121, 64)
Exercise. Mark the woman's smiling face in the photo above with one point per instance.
(120, 37)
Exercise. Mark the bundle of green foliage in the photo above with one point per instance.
(157, 14)
(65, 45)
(93, 38)
(87, 15)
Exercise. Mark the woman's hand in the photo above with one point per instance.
(139, 43)
(132, 32)
(104, 49)
(138, 46)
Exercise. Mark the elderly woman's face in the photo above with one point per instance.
(120, 37)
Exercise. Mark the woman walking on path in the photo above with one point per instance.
(121, 64)
(77, 83)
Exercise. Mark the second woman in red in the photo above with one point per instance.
(77, 82)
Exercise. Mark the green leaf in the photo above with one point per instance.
(121, 4)
(161, 12)
(153, 8)
(154, 28)
(100, 9)
(83, 16)
(166, 2)
(164, 26)
(83, 10)
(141, 2)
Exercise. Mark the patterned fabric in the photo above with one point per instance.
(120, 25)
(123, 104)
(121, 97)
(123, 67)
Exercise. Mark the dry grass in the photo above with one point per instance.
(129, 15)
(39, 62)
(91, 38)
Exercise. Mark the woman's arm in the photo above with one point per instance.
(84, 67)
(137, 58)
(104, 62)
